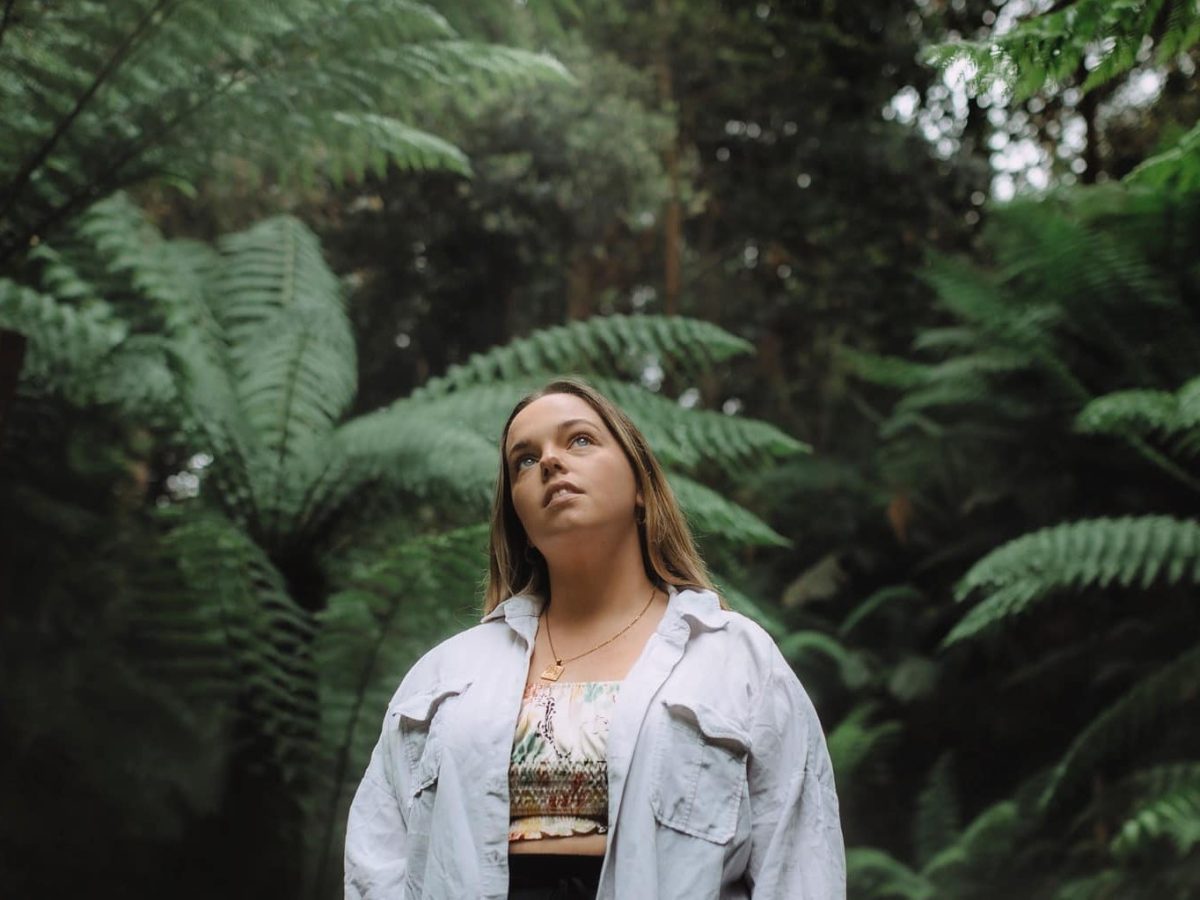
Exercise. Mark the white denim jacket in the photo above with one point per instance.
(720, 784)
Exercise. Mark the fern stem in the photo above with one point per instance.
(157, 14)
(1160, 460)
(288, 293)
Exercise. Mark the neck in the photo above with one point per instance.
(597, 584)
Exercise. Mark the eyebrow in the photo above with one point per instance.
(523, 444)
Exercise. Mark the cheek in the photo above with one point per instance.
(523, 499)
(624, 485)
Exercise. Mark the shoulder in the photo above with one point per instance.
(747, 655)
(456, 661)
(737, 637)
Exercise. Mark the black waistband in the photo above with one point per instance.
(554, 870)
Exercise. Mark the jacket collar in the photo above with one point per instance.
(695, 607)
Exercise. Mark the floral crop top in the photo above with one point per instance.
(558, 773)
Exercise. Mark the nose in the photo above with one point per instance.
(550, 463)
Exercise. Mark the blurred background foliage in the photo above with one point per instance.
(905, 297)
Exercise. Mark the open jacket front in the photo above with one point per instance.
(720, 784)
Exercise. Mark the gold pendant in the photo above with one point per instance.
(552, 672)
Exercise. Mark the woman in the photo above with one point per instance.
(610, 729)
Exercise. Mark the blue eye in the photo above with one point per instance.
(581, 436)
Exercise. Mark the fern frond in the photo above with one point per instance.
(1136, 413)
(853, 741)
(410, 451)
(213, 422)
(1125, 724)
(1071, 252)
(267, 636)
(170, 277)
(984, 849)
(290, 344)
(799, 646)
(101, 95)
(876, 601)
(1168, 808)
(367, 142)
(1047, 50)
(873, 874)
(886, 371)
(86, 355)
(937, 820)
(709, 513)
(617, 346)
(1176, 168)
(1130, 551)
(1102, 885)
(1188, 397)
(64, 342)
(681, 438)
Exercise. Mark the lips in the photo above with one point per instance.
(555, 488)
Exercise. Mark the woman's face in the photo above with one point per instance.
(568, 473)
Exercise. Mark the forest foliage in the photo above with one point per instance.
(261, 320)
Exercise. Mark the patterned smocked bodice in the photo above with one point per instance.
(558, 773)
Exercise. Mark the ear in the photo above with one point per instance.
(638, 500)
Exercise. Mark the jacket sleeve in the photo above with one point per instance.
(796, 848)
(376, 862)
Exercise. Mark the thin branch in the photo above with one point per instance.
(342, 762)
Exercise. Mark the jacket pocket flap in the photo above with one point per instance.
(421, 707)
(712, 723)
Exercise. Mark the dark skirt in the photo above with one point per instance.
(553, 876)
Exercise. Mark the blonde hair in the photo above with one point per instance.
(668, 550)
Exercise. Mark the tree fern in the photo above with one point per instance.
(261, 369)
(1095, 553)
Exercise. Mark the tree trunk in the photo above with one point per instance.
(673, 211)
(579, 285)
(12, 357)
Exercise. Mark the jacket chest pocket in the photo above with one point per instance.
(421, 721)
(700, 771)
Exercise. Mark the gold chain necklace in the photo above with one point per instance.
(555, 669)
